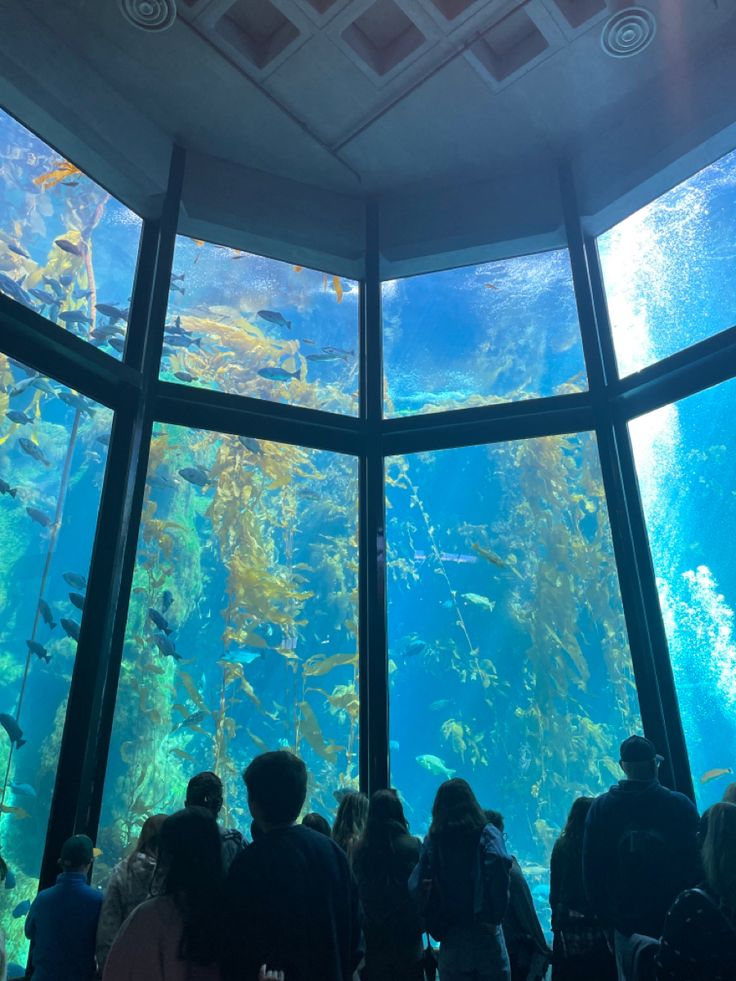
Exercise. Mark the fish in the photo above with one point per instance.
(178, 277)
(477, 600)
(13, 289)
(183, 755)
(191, 720)
(73, 248)
(22, 386)
(195, 475)
(22, 789)
(274, 317)
(421, 556)
(339, 352)
(435, 766)
(39, 650)
(74, 317)
(77, 599)
(81, 294)
(10, 882)
(103, 438)
(166, 600)
(488, 555)
(74, 579)
(414, 647)
(166, 646)
(66, 279)
(55, 285)
(279, 374)
(441, 703)
(40, 517)
(245, 657)
(33, 451)
(71, 628)
(18, 417)
(43, 296)
(250, 444)
(22, 909)
(18, 249)
(160, 621)
(46, 613)
(307, 340)
(14, 731)
(319, 358)
(185, 376)
(177, 288)
(111, 311)
(5, 488)
(118, 343)
(183, 340)
(720, 771)
(160, 480)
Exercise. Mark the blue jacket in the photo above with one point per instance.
(62, 925)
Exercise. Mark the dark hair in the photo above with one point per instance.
(317, 823)
(350, 820)
(495, 818)
(575, 824)
(256, 831)
(190, 856)
(205, 790)
(456, 809)
(148, 839)
(277, 783)
(385, 820)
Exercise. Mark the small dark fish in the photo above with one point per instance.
(251, 444)
(166, 600)
(44, 296)
(160, 480)
(185, 376)
(339, 353)
(39, 516)
(21, 386)
(55, 285)
(22, 909)
(81, 294)
(76, 402)
(71, 628)
(179, 289)
(166, 646)
(307, 340)
(10, 879)
(74, 317)
(43, 385)
(71, 247)
(118, 343)
(324, 357)
(195, 475)
(22, 789)
(415, 647)
(279, 374)
(35, 452)
(70, 183)
(18, 249)
(103, 438)
(14, 731)
(183, 340)
(160, 621)
(16, 416)
(191, 720)
(274, 317)
(178, 277)
(46, 613)
(74, 579)
(76, 599)
(39, 650)
(113, 312)
(13, 289)
(5, 488)
(66, 280)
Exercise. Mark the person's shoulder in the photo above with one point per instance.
(679, 803)
(93, 894)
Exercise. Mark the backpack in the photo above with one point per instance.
(643, 862)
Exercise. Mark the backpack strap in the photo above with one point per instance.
(706, 895)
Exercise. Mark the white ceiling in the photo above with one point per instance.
(455, 115)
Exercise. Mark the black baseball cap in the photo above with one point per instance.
(638, 749)
(77, 851)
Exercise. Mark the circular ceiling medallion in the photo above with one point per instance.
(149, 15)
(628, 32)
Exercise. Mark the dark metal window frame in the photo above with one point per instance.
(133, 390)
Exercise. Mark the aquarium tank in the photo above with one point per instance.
(492, 610)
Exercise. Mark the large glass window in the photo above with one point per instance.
(686, 461)
(509, 662)
(53, 445)
(68, 250)
(248, 325)
(491, 333)
(242, 633)
(670, 268)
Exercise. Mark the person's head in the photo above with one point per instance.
(148, 839)
(639, 759)
(317, 823)
(190, 859)
(385, 822)
(575, 823)
(277, 788)
(77, 853)
(456, 809)
(205, 790)
(352, 813)
(729, 794)
(719, 852)
(495, 818)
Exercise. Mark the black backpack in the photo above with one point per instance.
(643, 862)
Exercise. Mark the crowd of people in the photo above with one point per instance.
(641, 889)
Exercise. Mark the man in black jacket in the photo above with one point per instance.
(639, 847)
(291, 901)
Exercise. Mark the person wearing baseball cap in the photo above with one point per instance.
(62, 920)
(639, 846)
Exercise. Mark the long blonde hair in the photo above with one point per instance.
(719, 852)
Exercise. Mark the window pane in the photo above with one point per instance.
(248, 325)
(53, 445)
(685, 457)
(670, 269)
(67, 249)
(242, 629)
(492, 333)
(509, 661)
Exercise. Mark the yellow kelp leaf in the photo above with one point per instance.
(318, 665)
(61, 171)
(337, 286)
(310, 730)
(192, 691)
